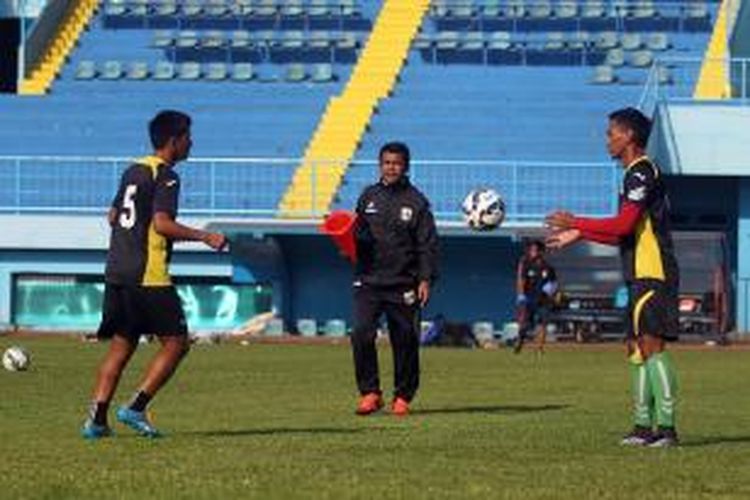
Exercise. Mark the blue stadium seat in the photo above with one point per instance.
(295, 73)
(242, 72)
(189, 71)
(137, 70)
(86, 70)
(111, 70)
(163, 70)
(163, 39)
(322, 73)
(603, 75)
(658, 42)
(631, 41)
(615, 57)
(215, 72)
(641, 58)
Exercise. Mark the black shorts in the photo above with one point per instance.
(132, 311)
(534, 314)
(652, 310)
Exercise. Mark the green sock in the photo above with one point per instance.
(643, 397)
(663, 380)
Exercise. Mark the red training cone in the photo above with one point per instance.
(339, 225)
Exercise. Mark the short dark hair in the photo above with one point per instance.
(635, 121)
(539, 244)
(398, 148)
(167, 124)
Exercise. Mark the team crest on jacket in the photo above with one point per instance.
(406, 214)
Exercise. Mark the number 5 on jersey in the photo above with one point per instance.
(127, 214)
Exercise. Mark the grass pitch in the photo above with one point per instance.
(276, 421)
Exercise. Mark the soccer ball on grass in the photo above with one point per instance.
(16, 359)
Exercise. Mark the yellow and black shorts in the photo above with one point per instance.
(652, 310)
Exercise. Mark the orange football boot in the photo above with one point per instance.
(369, 403)
(400, 407)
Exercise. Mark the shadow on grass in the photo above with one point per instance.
(714, 440)
(491, 409)
(273, 431)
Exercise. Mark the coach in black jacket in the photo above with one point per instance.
(396, 264)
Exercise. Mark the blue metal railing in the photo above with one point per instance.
(253, 187)
(674, 79)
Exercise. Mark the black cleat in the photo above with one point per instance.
(664, 437)
(639, 436)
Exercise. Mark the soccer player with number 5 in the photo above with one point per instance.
(139, 297)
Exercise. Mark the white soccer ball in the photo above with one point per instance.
(483, 209)
(16, 359)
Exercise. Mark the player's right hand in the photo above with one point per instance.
(561, 239)
(217, 241)
(560, 220)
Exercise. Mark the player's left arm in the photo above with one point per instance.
(638, 184)
(427, 252)
(165, 225)
(618, 226)
(166, 194)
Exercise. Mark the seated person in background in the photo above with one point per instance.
(536, 287)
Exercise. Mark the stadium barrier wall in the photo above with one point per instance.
(61, 290)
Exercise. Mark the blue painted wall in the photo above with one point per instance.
(477, 279)
(743, 256)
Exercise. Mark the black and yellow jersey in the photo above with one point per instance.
(138, 255)
(536, 273)
(648, 253)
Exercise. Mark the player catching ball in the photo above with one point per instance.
(642, 231)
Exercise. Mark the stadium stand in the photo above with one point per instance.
(336, 139)
(254, 75)
(506, 74)
(263, 72)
